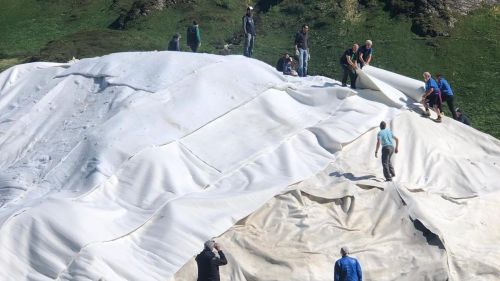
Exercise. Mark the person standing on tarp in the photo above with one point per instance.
(174, 45)
(249, 30)
(347, 268)
(365, 54)
(209, 260)
(193, 37)
(302, 49)
(348, 63)
(385, 138)
(446, 94)
(431, 97)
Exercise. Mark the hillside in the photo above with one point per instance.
(468, 54)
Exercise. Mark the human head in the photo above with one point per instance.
(305, 28)
(286, 55)
(195, 22)
(177, 36)
(355, 47)
(427, 76)
(344, 251)
(438, 76)
(368, 43)
(249, 10)
(209, 245)
(382, 125)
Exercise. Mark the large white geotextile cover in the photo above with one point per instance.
(119, 167)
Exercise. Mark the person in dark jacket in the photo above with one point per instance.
(193, 38)
(302, 49)
(208, 262)
(173, 45)
(281, 62)
(347, 268)
(462, 118)
(249, 31)
(348, 63)
(365, 53)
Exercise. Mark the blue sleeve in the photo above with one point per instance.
(358, 269)
(336, 272)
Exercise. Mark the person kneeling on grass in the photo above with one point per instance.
(385, 137)
(431, 97)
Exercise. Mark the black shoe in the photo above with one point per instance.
(344, 85)
(388, 179)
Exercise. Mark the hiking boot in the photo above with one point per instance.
(439, 120)
(426, 113)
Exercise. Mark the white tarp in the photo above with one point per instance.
(119, 167)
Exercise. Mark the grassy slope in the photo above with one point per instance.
(468, 57)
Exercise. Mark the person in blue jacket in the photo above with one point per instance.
(347, 268)
(447, 94)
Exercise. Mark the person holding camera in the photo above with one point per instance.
(209, 260)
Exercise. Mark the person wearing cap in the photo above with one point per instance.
(431, 97)
(348, 63)
(249, 30)
(384, 138)
(209, 260)
(302, 49)
(193, 37)
(446, 94)
(173, 45)
(347, 268)
(365, 54)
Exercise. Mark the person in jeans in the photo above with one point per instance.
(209, 260)
(249, 30)
(302, 49)
(348, 63)
(446, 94)
(347, 268)
(385, 138)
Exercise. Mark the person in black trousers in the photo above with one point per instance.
(209, 260)
(348, 63)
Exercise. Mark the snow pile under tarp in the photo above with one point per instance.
(119, 167)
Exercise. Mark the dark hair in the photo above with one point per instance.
(382, 125)
(305, 25)
(195, 22)
(438, 75)
(177, 35)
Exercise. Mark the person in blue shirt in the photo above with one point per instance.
(384, 138)
(447, 94)
(347, 268)
(365, 54)
(431, 97)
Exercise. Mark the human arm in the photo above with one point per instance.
(369, 59)
(397, 144)
(350, 62)
(358, 269)
(336, 272)
(377, 147)
(221, 260)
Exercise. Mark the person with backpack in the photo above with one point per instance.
(249, 31)
(174, 45)
(193, 37)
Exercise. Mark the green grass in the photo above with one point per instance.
(57, 30)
